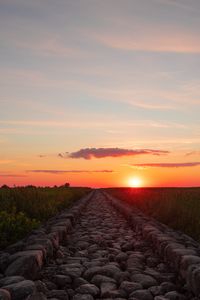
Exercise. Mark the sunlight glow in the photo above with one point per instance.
(135, 182)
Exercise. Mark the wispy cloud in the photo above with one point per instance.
(149, 38)
(192, 153)
(12, 175)
(179, 5)
(166, 165)
(57, 172)
(89, 153)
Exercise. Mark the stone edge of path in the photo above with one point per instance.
(179, 250)
(21, 262)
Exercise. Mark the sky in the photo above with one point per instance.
(97, 92)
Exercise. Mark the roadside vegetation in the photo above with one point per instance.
(179, 208)
(25, 208)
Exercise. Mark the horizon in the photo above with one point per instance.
(100, 93)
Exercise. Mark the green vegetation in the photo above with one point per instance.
(25, 208)
(177, 207)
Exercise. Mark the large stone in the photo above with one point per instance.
(26, 263)
(90, 289)
(111, 271)
(130, 287)
(145, 280)
(99, 279)
(62, 280)
(186, 262)
(121, 257)
(37, 296)
(10, 280)
(4, 261)
(91, 272)
(79, 281)
(83, 297)
(173, 295)
(58, 294)
(21, 290)
(141, 294)
(193, 279)
(107, 288)
(4, 295)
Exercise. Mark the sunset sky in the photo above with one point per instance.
(96, 92)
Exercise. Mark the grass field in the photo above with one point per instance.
(177, 207)
(25, 208)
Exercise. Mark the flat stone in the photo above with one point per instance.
(90, 289)
(83, 297)
(145, 280)
(173, 295)
(130, 287)
(10, 279)
(141, 294)
(21, 290)
(37, 296)
(59, 294)
(99, 279)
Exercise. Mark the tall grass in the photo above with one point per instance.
(177, 207)
(25, 208)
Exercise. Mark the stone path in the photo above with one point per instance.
(104, 258)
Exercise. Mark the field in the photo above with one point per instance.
(177, 207)
(25, 208)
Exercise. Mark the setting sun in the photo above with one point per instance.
(135, 182)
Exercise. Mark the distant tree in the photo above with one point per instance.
(30, 186)
(66, 185)
(4, 186)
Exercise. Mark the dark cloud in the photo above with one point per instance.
(167, 165)
(89, 153)
(69, 171)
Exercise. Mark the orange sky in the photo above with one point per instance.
(98, 92)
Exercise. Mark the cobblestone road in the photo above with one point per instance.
(103, 258)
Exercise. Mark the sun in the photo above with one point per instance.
(135, 182)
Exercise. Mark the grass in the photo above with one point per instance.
(177, 207)
(25, 208)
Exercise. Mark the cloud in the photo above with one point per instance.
(12, 175)
(166, 165)
(150, 37)
(192, 153)
(57, 172)
(89, 153)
